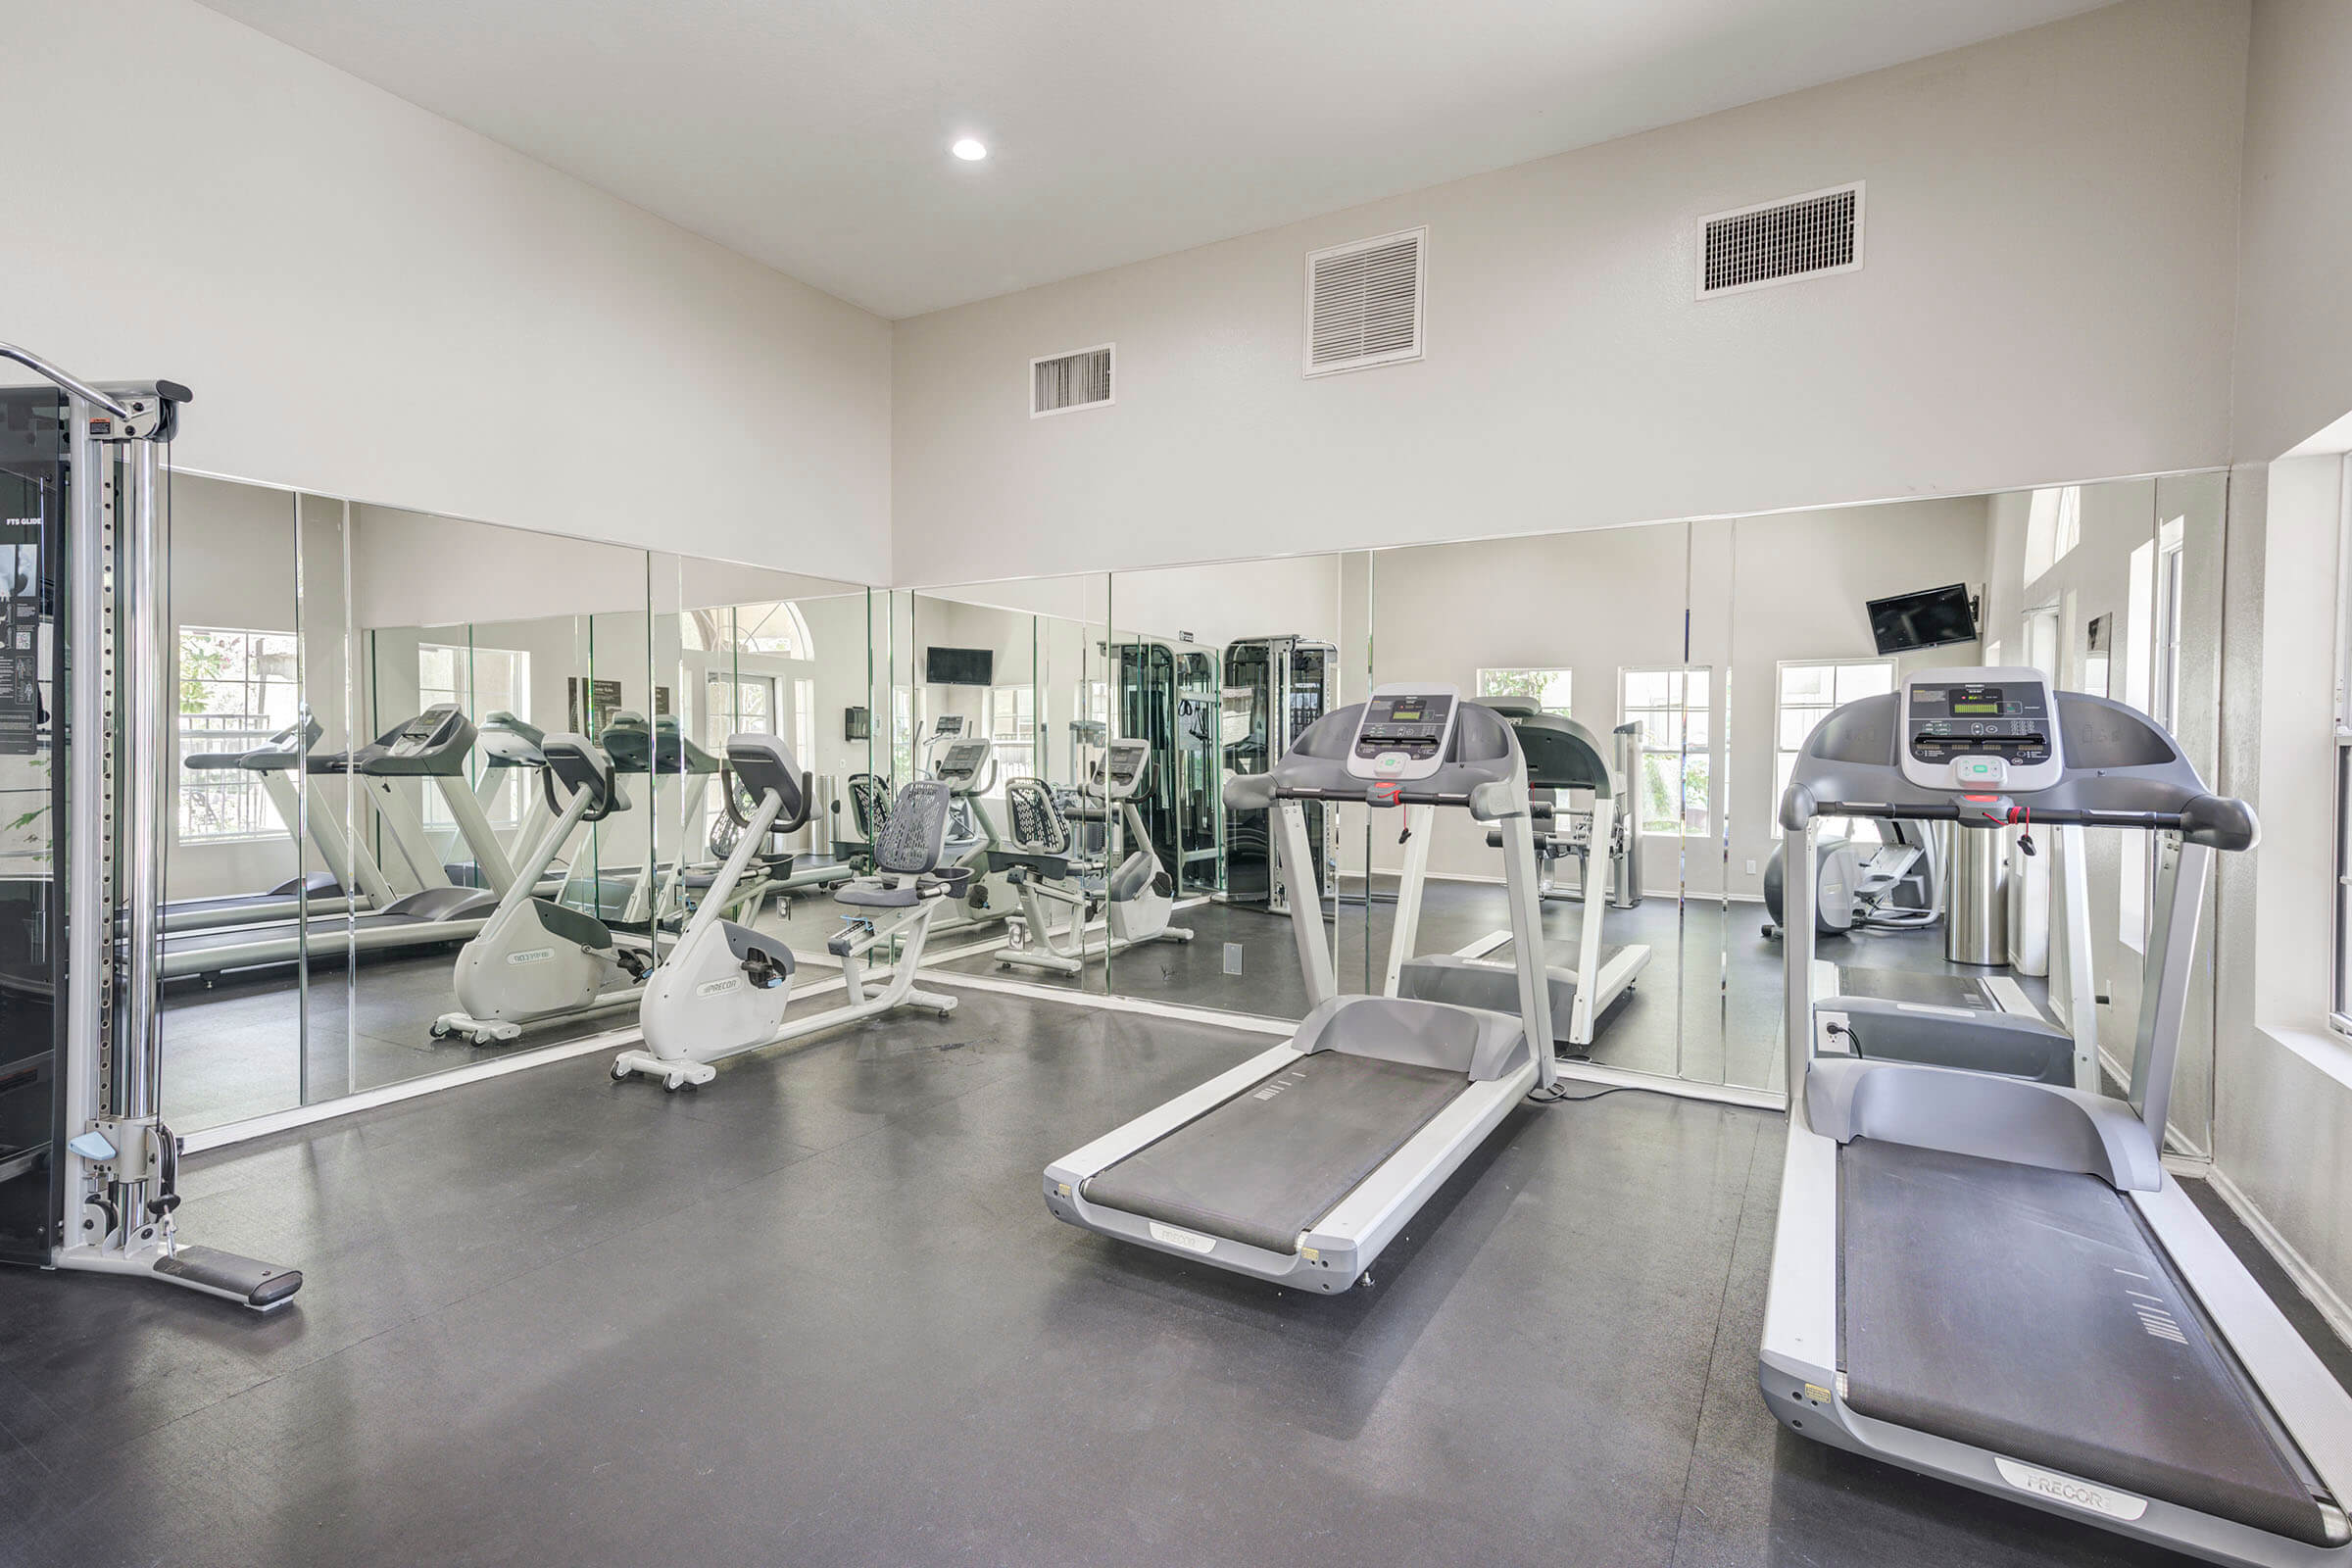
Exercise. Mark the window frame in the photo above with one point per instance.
(1566, 674)
(1681, 827)
(258, 808)
(2339, 991)
(1006, 746)
(1780, 706)
(507, 808)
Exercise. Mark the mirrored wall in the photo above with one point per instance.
(371, 755)
(1663, 677)
(368, 696)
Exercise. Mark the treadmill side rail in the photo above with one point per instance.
(2301, 1392)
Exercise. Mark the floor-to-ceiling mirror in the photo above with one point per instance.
(1581, 639)
(245, 864)
(1010, 700)
(2111, 589)
(1215, 670)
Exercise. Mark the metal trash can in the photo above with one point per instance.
(1975, 922)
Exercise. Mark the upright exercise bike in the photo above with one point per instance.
(535, 958)
(724, 989)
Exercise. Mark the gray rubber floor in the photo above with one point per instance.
(817, 1313)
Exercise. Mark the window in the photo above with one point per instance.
(2053, 527)
(733, 705)
(1808, 693)
(1548, 689)
(237, 688)
(1012, 725)
(2169, 541)
(2339, 1007)
(804, 722)
(777, 630)
(483, 681)
(1677, 766)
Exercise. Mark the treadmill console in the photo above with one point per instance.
(1124, 768)
(427, 731)
(1405, 733)
(1980, 729)
(960, 767)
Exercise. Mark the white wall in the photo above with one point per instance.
(2047, 295)
(369, 301)
(2293, 367)
(2282, 1085)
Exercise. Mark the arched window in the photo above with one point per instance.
(778, 630)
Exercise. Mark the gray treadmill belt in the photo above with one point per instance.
(2026, 1311)
(1916, 985)
(1263, 1167)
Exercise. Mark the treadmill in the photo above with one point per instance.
(1304, 1161)
(1991, 1279)
(433, 746)
(1564, 761)
(276, 762)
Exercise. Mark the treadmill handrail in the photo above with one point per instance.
(2217, 821)
(1257, 791)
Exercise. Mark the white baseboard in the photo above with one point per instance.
(2333, 1307)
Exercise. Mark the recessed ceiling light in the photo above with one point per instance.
(969, 150)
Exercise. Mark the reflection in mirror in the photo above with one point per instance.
(1578, 639)
(1214, 670)
(1011, 702)
(245, 860)
(772, 654)
(2109, 588)
(469, 648)
(1803, 642)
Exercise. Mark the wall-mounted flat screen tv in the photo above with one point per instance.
(1929, 619)
(959, 666)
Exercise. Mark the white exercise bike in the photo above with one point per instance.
(1046, 867)
(724, 989)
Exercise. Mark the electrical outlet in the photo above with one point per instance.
(1233, 958)
(1751, 866)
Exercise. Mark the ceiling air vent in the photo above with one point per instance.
(1063, 383)
(1779, 242)
(1363, 303)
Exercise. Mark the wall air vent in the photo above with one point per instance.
(1779, 242)
(1363, 303)
(1063, 383)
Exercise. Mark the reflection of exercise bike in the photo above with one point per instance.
(968, 768)
(534, 958)
(724, 987)
(1897, 887)
(1047, 865)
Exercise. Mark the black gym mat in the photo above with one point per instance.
(2026, 1311)
(1263, 1167)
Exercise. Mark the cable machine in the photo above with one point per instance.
(88, 1168)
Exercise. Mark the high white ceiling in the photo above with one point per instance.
(812, 134)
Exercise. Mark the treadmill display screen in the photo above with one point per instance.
(1414, 724)
(1976, 719)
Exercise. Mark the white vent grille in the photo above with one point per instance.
(1779, 242)
(1061, 383)
(1363, 303)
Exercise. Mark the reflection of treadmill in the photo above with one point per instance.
(1303, 1162)
(628, 898)
(276, 763)
(433, 746)
(1995, 1280)
(1581, 819)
